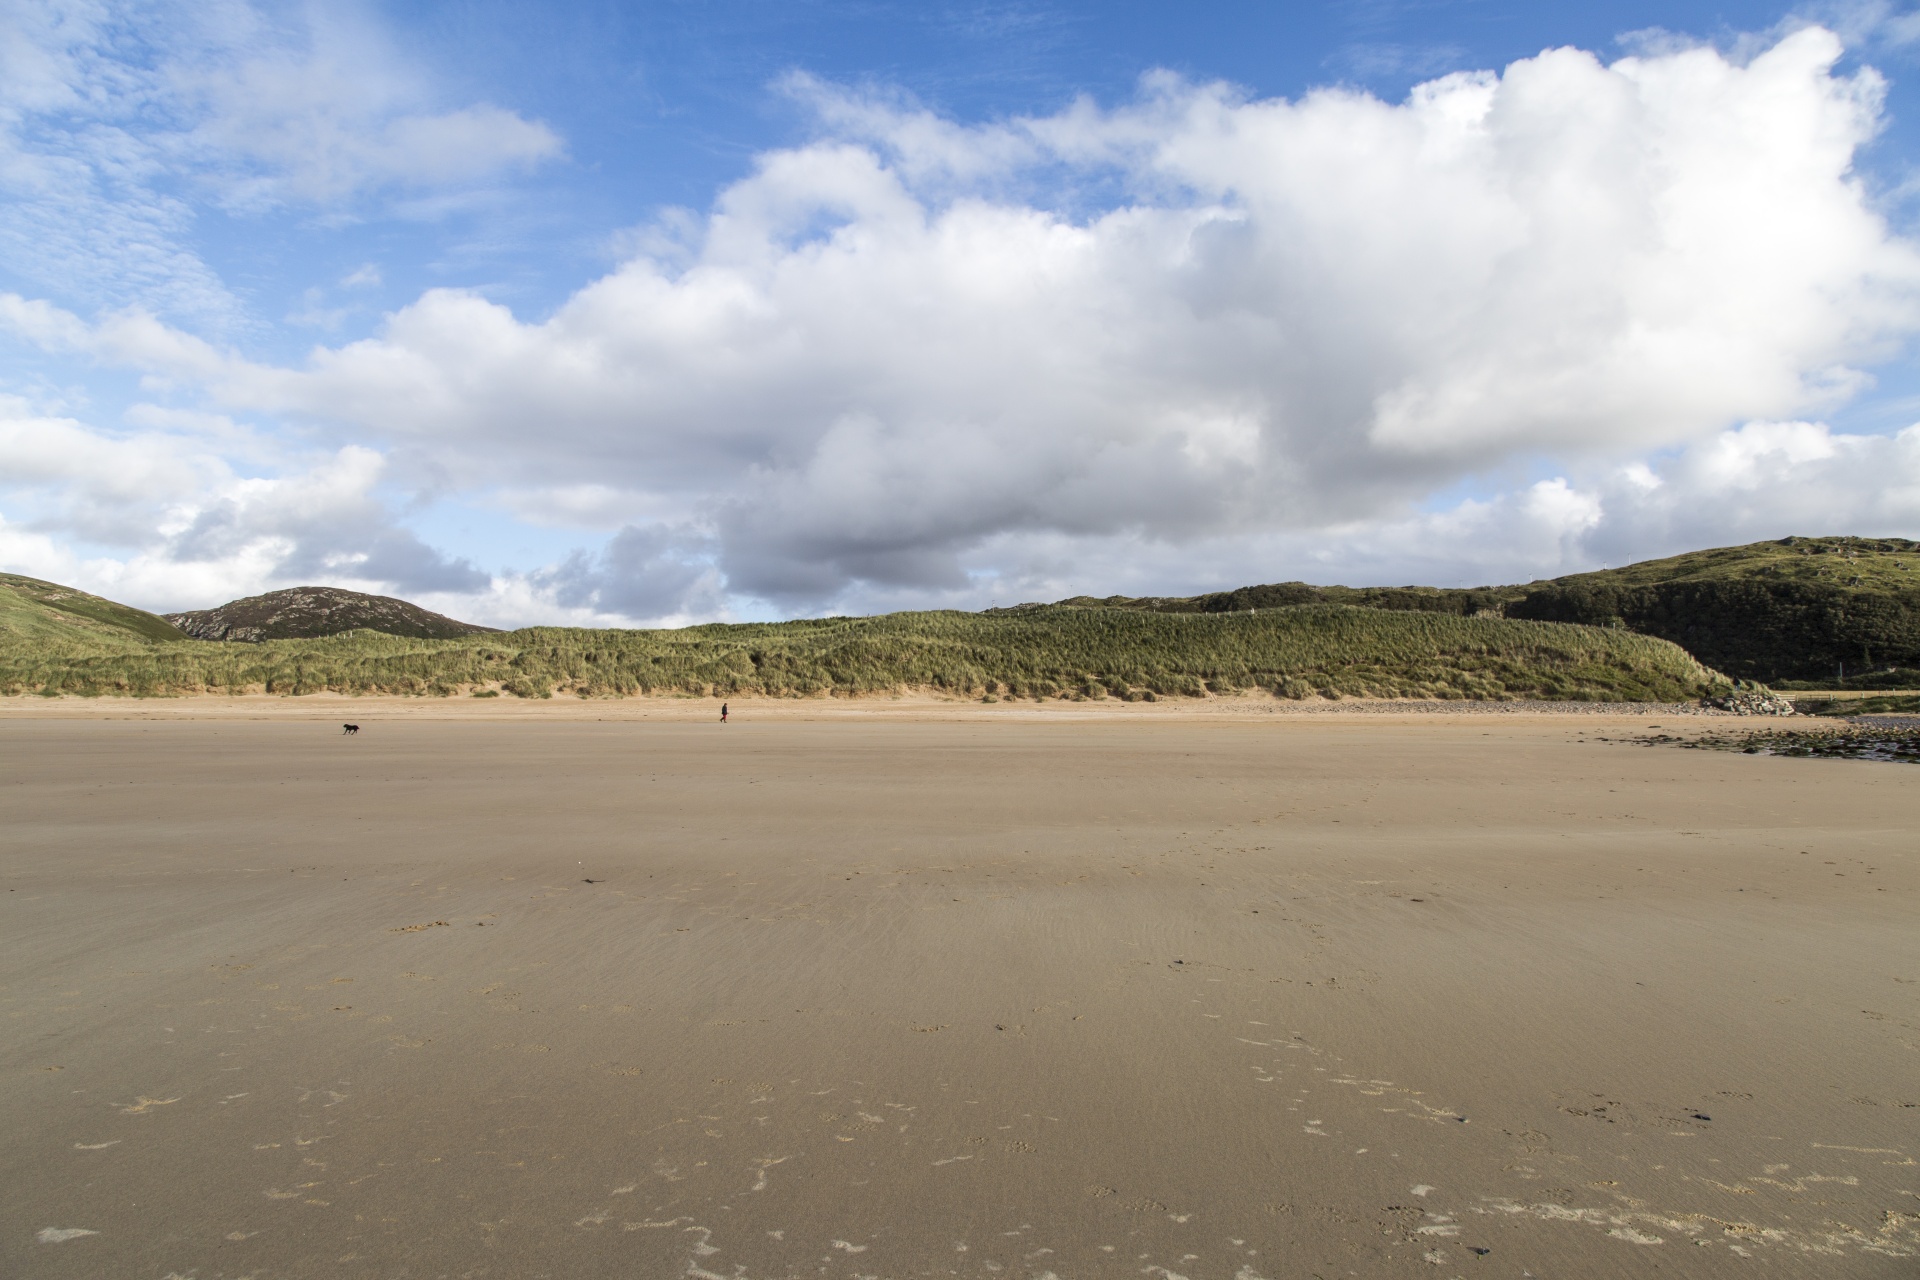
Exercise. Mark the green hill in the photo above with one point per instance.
(1791, 612)
(36, 611)
(1796, 611)
(1055, 651)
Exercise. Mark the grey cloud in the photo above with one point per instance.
(393, 556)
(642, 572)
(352, 537)
(1756, 482)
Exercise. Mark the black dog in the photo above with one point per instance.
(349, 728)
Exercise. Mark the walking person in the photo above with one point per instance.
(723, 713)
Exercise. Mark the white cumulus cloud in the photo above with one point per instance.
(160, 517)
(917, 360)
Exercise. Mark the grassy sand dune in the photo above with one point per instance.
(1314, 650)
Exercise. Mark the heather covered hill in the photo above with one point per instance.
(305, 613)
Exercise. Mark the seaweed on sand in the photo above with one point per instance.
(1894, 741)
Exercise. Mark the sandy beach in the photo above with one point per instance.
(1203, 992)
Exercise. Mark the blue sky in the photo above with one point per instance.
(665, 104)
(627, 313)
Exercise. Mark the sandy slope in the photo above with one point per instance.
(891, 996)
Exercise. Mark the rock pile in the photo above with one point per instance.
(1750, 701)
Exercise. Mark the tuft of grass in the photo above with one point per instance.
(1891, 705)
(1318, 650)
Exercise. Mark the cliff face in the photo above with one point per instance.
(300, 613)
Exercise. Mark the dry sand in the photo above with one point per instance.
(871, 991)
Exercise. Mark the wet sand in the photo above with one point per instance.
(520, 995)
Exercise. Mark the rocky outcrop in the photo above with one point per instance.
(300, 613)
(1754, 700)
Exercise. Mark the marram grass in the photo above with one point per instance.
(1055, 651)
